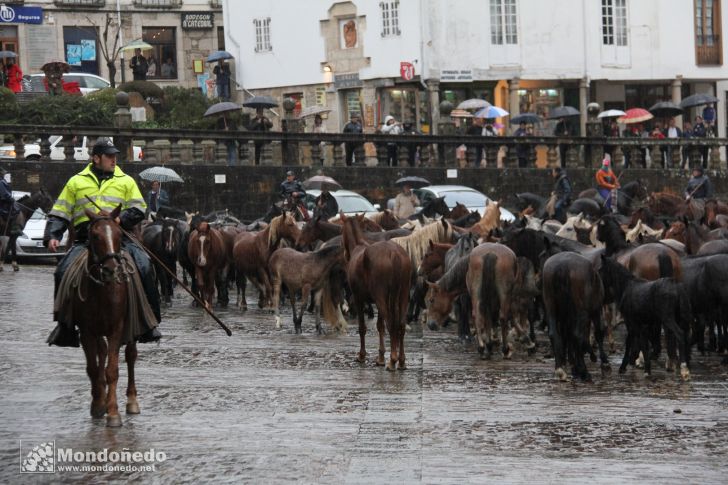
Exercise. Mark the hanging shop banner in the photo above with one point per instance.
(197, 20)
(18, 14)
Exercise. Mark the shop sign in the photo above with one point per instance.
(458, 75)
(406, 70)
(18, 14)
(197, 20)
(346, 81)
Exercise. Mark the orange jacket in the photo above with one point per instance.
(606, 180)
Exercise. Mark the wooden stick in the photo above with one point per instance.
(173, 275)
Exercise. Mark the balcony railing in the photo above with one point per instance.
(79, 3)
(209, 147)
(709, 55)
(158, 3)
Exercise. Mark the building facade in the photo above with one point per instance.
(182, 34)
(404, 57)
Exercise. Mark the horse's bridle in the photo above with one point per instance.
(119, 273)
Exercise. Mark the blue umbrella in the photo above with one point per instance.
(491, 112)
(219, 55)
(4, 54)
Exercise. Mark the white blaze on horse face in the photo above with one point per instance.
(109, 239)
(201, 260)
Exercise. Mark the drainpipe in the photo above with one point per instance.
(584, 82)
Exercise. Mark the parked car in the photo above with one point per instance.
(87, 83)
(81, 154)
(350, 203)
(471, 198)
(30, 243)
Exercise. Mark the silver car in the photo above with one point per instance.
(469, 197)
(350, 203)
(30, 243)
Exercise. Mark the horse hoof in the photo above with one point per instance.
(113, 421)
(684, 372)
(132, 408)
(606, 368)
(98, 412)
(361, 357)
(402, 366)
(278, 323)
(391, 365)
(560, 374)
(380, 361)
(16, 267)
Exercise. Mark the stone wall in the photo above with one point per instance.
(248, 191)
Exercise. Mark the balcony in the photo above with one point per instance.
(79, 3)
(158, 3)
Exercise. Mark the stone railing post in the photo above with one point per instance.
(714, 157)
(617, 156)
(122, 121)
(655, 157)
(552, 156)
(69, 150)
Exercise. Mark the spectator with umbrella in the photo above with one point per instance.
(222, 79)
(353, 127)
(156, 197)
(260, 123)
(406, 200)
(325, 205)
(522, 149)
(14, 76)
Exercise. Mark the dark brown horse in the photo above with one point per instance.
(317, 230)
(573, 295)
(14, 227)
(163, 239)
(693, 234)
(251, 252)
(714, 208)
(100, 310)
(308, 273)
(206, 250)
(673, 206)
(378, 273)
(386, 219)
(459, 211)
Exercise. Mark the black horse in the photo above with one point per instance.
(573, 296)
(467, 220)
(431, 209)
(627, 196)
(538, 203)
(13, 226)
(706, 279)
(163, 239)
(648, 306)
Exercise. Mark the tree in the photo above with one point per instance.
(109, 55)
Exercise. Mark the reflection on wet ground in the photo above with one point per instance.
(266, 405)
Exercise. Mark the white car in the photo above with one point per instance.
(87, 83)
(30, 243)
(80, 150)
(469, 197)
(350, 203)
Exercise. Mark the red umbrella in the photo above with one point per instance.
(635, 115)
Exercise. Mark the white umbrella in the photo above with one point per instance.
(473, 103)
(313, 110)
(160, 174)
(611, 113)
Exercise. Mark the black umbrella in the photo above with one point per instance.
(666, 109)
(260, 102)
(525, 118)
(321, 182)
(224, 107)
(563, 112)
(412, 181)
(699, 99)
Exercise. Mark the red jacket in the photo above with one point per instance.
(15, 77)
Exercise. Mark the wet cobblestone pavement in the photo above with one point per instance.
(268, 406)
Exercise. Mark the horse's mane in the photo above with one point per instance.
(275, 224)
(454, 276)
(325, 252)
(418, 243)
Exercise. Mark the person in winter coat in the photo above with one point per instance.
(15, 77)
(405, 203)
(325, 205)
(562, 189)
(699, 186)
(606, 183)
(391, 127)
(354, 127)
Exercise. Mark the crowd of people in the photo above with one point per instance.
(143, 68)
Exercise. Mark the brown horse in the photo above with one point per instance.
(714, 208)
(489, 221)
(379, 273)
(251, 252)
(460, 210)
(386, 220)
(693, 234)
(317, 230)
(670, 205)
(206, 250)
(433, 261)
(308, 273)
(101, 311)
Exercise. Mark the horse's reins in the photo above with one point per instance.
(172, 274)
(120, 273)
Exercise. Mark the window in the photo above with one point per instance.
(390, 18)
(80, 49)
(164, 48)
(707, 32)
(262, 35)
(614, 22)
(158, 3)
(503, 22)
(221, 38)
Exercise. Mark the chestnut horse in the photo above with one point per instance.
(667, 204)
(251, 252)
(206, 250)
(380, 273)
(100, 309)
(714, 208)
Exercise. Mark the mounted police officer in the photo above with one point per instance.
(293, 193)
(7, 202)
(562, 189)
(104, 183)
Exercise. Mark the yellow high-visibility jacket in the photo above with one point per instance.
(109, 193)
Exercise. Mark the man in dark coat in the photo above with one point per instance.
(325, 205)
(353, 127)
(562, 189)
(7, 202)
(699, 186)
(139, 66)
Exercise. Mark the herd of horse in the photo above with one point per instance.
(659, 264)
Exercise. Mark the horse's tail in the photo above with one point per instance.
(488, 294)
(565, 312)
(398, 296)
(665, 264)
(330, 296)
(680, 324)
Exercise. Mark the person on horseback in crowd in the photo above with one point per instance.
(325, 205)
(7, 202)
(562, 189)
(699, 186)
(157, 197)
(292, 192)
(606, 182)
(104, 182)
(405, 203)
